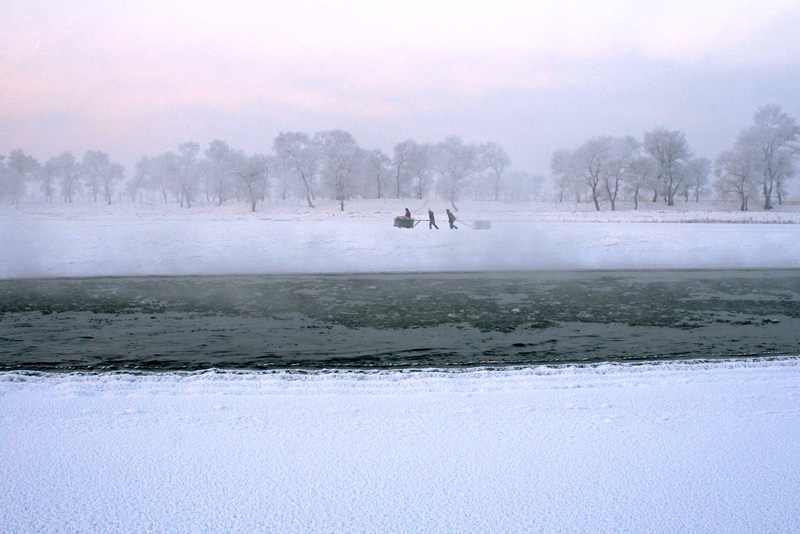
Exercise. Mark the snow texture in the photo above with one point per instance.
(678, 447)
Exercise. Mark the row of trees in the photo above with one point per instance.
(661, 165)
(62, 175)
(328, 164)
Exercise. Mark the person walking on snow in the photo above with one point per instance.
(451, 219)
(431, 220)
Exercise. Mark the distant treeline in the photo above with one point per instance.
(331, 165)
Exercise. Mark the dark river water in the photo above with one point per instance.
(396, 320)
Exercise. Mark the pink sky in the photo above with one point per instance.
(141, 78)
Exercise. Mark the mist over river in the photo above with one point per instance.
(396, 320)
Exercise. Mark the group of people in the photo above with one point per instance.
(432, 219)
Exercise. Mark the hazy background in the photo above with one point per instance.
(134, 78)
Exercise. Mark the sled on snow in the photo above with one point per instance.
(406, 222)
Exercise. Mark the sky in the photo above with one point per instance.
(136, 78)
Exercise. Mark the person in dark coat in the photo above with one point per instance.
(408, 214)
(431, 220)
(451, 219)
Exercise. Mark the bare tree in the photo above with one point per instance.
(773, 136)
(299, 155)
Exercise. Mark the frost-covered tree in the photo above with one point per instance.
(187, 173)
(252, 175)
(47, 176)
(773, 137)
(640, 173)
(400, 163)
(65, 170)
(421, 165)
(737, 173)
(698, 171)
(781, 181)
(20, 168)
(143, 175)
(217, 171)
(591, 161)
(496, 161)
(565, 175)
(457, 162)
(670, 150)
(339, 158)
(376, 167)
(285, 181)
(621, 151)
(299, 156)
(168, 167)
(100, 174)
(162, 170)
(600, 165)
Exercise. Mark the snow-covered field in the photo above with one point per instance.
(97, 240)
(678, 447)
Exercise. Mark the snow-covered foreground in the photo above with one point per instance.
(679, 447)
(118, 241)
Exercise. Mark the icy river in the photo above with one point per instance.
(396, 320)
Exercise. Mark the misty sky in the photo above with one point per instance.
(136, 78)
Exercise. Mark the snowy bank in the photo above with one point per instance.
(119, 241)
(678, 447)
